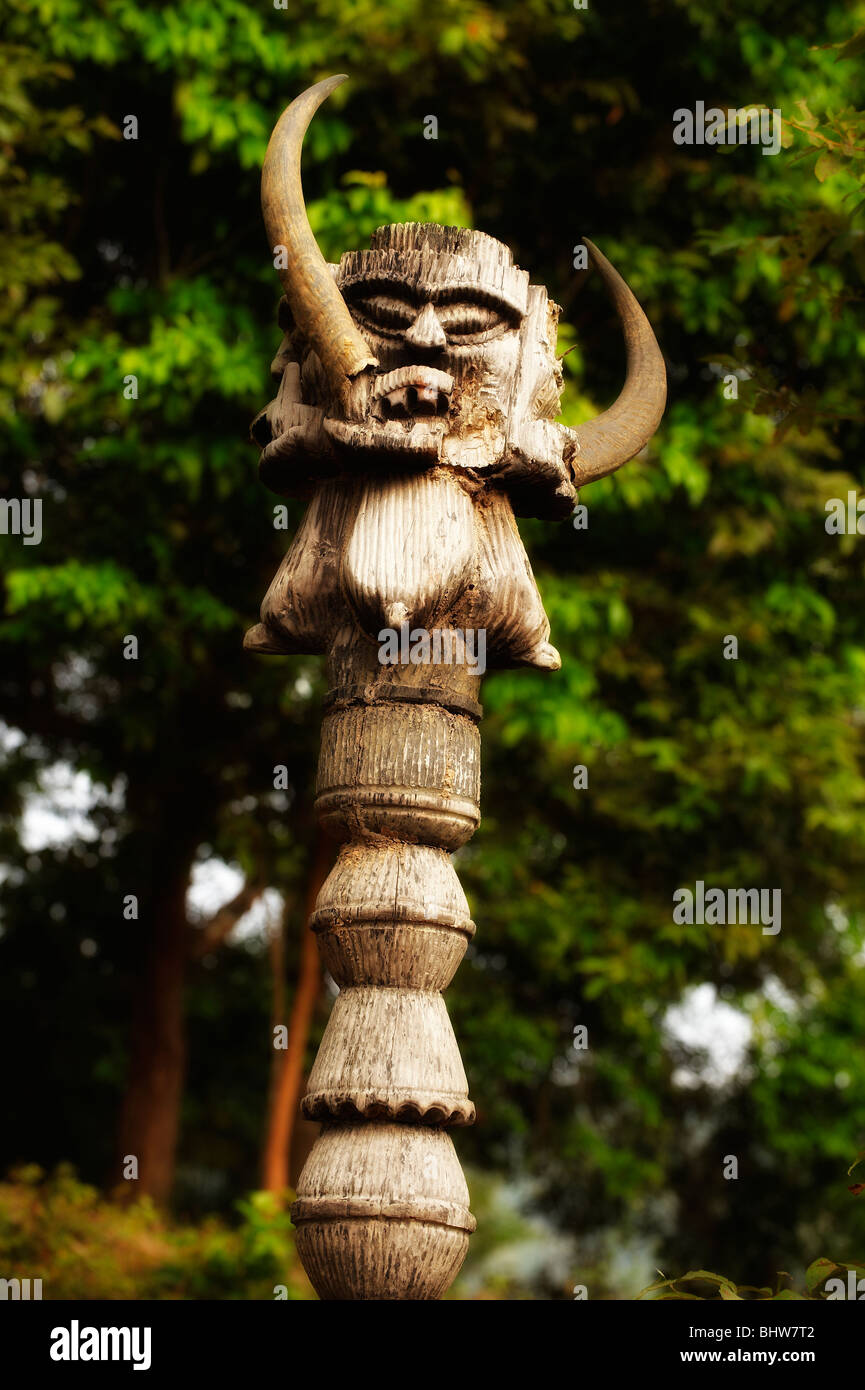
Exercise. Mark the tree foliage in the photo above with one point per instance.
(145, 258)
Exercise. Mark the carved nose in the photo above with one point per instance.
(426, 331)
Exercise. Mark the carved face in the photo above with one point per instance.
(464, 365)
(442, 310)
(430, 338)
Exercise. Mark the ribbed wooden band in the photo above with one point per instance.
(410, 772)
(417, 748)
(460, 809)
(374, 915)
(377, 694)
(403, 1106)
(365, 1208)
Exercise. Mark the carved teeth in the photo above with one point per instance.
(412, 391)
(414, 376)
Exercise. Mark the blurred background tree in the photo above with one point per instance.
(145, 258)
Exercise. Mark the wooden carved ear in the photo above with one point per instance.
(269, 423)
(534, 468)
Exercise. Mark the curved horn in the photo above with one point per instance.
(608, 441)
(318, 307)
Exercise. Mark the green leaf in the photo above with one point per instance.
(819, 1271)
(826, 166)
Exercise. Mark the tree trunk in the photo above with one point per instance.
(288, 1067)
(150, 1117)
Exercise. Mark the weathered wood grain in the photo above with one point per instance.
(402, 770)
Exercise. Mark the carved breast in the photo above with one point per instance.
(411, 550)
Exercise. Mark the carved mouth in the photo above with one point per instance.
(410, 393)
(410, 437)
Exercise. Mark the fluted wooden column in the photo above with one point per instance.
(382, 1208)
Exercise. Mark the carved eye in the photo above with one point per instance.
(387, 312)
(468, 320)
(462, 321)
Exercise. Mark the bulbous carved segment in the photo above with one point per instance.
(387, 1170)
(389, 1053)
(408, 955)
(392, 914)
(402, 771)
(382, 1212)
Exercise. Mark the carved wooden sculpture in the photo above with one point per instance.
(418, 386)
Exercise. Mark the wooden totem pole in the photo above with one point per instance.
(417, 391)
